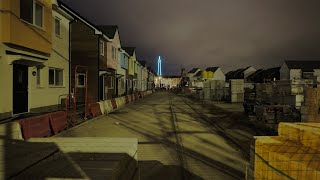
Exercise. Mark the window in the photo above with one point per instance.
(110, 82)
(38, 14)
(38, 76)
(55, 77)
(81, 80)
(57, 27)
(31, 11)
(101, 46)
(26, 10)
(114, 53)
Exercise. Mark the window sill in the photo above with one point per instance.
(53, 86)
(58, 36)
(33, 25)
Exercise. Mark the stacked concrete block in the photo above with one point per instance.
(217, 89)
(236, 90)
(11, 130)
(310, 110)
(264, 92)
(293, 154)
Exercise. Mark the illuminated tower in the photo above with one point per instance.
(159, 67)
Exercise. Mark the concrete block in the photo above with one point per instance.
(11, 130)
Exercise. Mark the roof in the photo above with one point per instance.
(193, 70)
(306, 66)
(143, 63)
(212, 69)
(108, 30)
(76, 15)
(198, 73)
(262, 75)
(254, 74)
(129, 50)
(237, 74)
(268, 73)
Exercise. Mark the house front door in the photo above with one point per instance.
(20, 88)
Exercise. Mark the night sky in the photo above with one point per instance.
(201, 33)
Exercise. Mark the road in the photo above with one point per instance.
(178, 138)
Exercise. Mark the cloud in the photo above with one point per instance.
(226, 33)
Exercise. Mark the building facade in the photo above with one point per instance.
(34, 56)
(113, 52)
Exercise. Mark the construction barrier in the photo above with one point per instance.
(58, 121)
(127, 99)
(136, 96)
(94, 110)
(35, 127)
(106, 107)
(114, 104)
(120, 102)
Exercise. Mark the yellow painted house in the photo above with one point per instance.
(34, 56)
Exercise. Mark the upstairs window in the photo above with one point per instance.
(101, 46)
(26, 10)
(57, 26)
(38, 17)
(31, 11)
(114, 53)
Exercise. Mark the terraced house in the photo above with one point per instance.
(122, 73)
(112, 54)
(138, 72)
(144, 75)
(34, 56)
(88, 65)
(130, 73)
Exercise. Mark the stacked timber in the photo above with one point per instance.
(310, 110)
(293, 154)
(236, 90)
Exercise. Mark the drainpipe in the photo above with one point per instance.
(70, 87)
(99, 38)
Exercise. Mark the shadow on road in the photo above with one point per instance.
(155, 170)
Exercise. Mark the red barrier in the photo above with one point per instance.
(114, 103)
(127, 100)
(35, 127)
(95, 110)
(58, 121)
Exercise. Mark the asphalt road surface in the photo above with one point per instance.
(178, 138)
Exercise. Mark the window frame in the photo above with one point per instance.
(35, 2)
(55, 19)
(54, 77)
(101, 48)
(84, 80)
(111, 82)
(33, 18)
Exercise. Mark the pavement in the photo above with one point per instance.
(173, 142)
